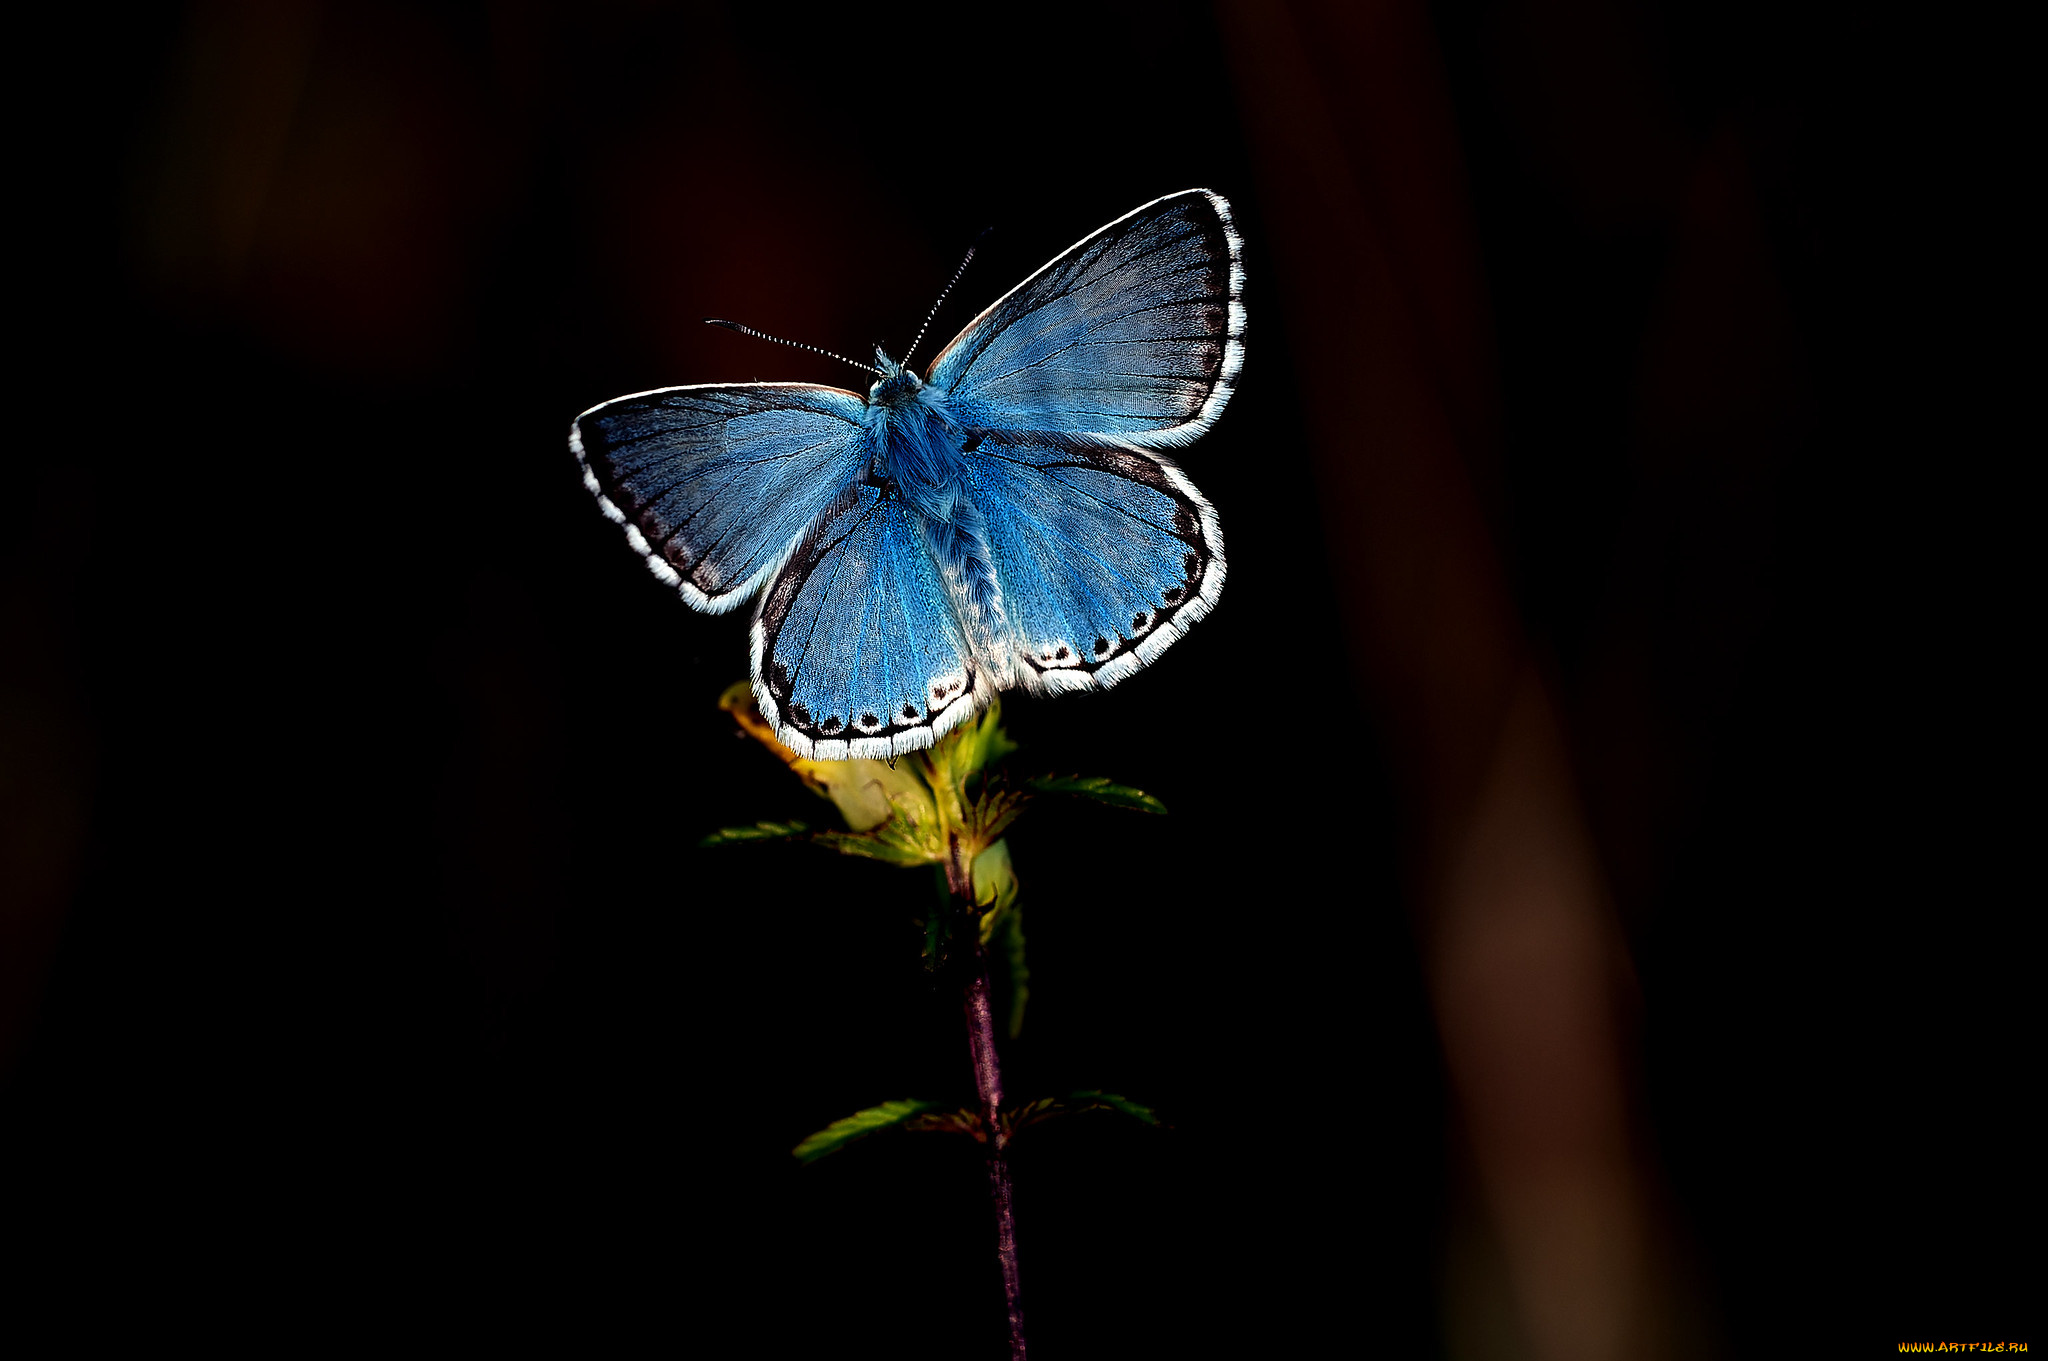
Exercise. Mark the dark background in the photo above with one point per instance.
(359, 952)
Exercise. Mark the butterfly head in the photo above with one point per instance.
(898, 384)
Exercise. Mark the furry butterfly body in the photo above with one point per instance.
(1009, 520)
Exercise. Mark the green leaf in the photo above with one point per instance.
(865, 792)
(947, 1122)
(995, 884)
(982, 741)
(868, 847)
(760, 831)
(1110, 1101)
(992, 814)
(1075, 1103)
(1010, 932)
(967, 750)
(1002, 927)
(1100, 789)
(902, 840)
(868, 793)
(1031, 1113)
(840, 1133)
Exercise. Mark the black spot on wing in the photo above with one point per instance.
(846, 516)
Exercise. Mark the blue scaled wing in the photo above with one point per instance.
(857, 651)
(1136, 332)
(1104, 555)
(716, 484)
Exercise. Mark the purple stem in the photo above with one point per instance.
(988, 1084)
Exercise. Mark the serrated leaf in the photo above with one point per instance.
(947, 1122)
(1100, 789)
(957, 757)
(905, 839)
(760, 831)
(1122, 1105)
(871, 847)
(979, 742)
(1031, 1112)
(840, 1133)
(1075, 1103)
(992, 813)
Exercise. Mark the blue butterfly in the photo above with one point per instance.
(1007, 521)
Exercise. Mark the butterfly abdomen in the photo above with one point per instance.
(959, 544)
(919, 450)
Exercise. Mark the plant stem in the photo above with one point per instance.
(988, 1084)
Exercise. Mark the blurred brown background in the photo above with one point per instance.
(1593, 929)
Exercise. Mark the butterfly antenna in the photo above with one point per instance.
(942, 301)
(794, 344)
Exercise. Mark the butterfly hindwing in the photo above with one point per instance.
(857, 651)
(715, 484)
(1136, 331)
(1104, 555)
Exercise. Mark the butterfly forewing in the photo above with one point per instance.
(716, 484)
(856, 648)
(1136, 331)
(1105, 555)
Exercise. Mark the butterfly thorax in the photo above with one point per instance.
(898, 384)
(916, 445)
